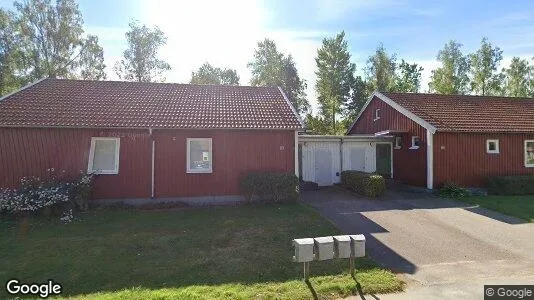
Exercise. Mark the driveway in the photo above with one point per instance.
(443, 248)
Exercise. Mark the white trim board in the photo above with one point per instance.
(292, 108)
(398, 108)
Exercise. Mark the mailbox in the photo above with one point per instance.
(303, 250)
(324, 248)
(342, 246)
(358, 245)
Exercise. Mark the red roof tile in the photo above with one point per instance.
(470, 113)
(115, 104)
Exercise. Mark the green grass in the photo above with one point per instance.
(518, 206)
(208, 253)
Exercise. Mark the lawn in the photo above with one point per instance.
(202, 253)
(517, 206)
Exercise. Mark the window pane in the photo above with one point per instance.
(492, 146)
(104, 155)
(199, 155)
(416, 142)
(529, 153)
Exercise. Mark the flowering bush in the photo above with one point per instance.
(35, 195)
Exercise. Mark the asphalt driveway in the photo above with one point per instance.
(443, 248)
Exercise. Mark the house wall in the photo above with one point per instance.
(28, 152)
(409, 166)
(235, 152)
(461, 158)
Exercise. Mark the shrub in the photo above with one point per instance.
(367, 184)
(270, 186)
(451, 190)
(48, 197)
(511, 185)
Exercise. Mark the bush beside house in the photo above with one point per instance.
(270, 186)
(511, 185)
(367, 184)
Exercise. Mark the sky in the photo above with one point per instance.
(225, 33)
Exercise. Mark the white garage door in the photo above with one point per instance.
(323, 166)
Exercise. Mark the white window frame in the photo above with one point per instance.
(377, 114)
(92, 156)
(527, 165)
(497, 149)
(398, 142)
(188, 163)
(414, 147)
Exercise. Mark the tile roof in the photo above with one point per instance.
(115, 104)
(470, 113)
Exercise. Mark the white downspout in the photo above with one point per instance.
(152, 164)
(297, 154)
(429, 159)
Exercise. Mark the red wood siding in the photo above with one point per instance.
(31, 151)
(235, 152)
(409, 166)
(461, 157)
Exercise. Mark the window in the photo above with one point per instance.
(398, 142)
(492, 146)
(416, 141)
(377, 114)
(199, 155)
(104, 156)
(529, 153)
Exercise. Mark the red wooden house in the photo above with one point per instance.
(147, 139)
(451, 138)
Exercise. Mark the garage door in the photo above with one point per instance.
(323, 166)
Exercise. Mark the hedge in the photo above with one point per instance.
(511, 185)
(367, 184)
(270, 186)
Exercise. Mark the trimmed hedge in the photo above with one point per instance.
(511, 185)
(367, 184)
(270, 186)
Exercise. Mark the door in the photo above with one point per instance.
(323, 166)
(383, 159)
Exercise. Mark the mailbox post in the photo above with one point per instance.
(357, 249)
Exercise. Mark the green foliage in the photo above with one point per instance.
(11, 59)
(207, 74)
(409, 77)
(273, 68)
(367, 184)
(519, 78)
(451, 190)
(381, 69)
(270, 186)
(53, 44)
(451, 77)
(140, 60)
(483, 67)
(511, 185)
(335, 79)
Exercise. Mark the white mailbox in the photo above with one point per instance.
(342, 246)
(358, 245)
(324, 247)
(303, 250)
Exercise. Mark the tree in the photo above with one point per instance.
(409, 77)
(451, 77)
(273, 68)
(360, 91)
(519, 76)
(141, 62)
(380, 70)
(483, 67)
(335, 78)
(207, 74)
(53, 41)
(10, 54)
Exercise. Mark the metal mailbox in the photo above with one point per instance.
(303, 250)
(357, 245)
(342, 246)
(324, 248)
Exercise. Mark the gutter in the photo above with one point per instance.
(152, 163)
